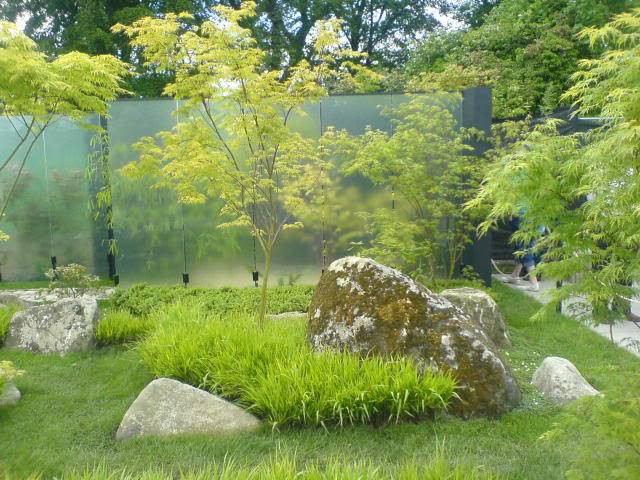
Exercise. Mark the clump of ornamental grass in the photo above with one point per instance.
(273, 372)
(6, 314)
(120, 326)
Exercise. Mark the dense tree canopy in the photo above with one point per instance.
(473, 12)
(526, 49)
(382, 29)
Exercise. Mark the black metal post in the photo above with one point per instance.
(476, 112)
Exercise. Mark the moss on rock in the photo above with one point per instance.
(371, 309)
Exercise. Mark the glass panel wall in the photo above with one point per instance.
(158, 239)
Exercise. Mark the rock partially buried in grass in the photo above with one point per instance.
(168, 407)
(368, 308)
(10, 395)
(65, 326)
(560, 381)
(483, 310)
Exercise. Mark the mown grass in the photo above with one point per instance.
(103, 282)
(281, 467)
(24, 285)
(72, 406)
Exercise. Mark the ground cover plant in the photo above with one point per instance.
(141, 300)
(72, 406)
(274, 374)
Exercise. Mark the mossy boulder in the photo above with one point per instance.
(483, 310)
(370, 309)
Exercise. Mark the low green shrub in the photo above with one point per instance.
(141, 300)
(273, 373)
(6, 314)
(120, 326)
(73, 280)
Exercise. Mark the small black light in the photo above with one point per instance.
(256, 277)
(185, 279)
(116, 280)
(54, 262)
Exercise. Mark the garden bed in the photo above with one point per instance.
(72, 406)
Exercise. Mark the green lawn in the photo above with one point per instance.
(104, 282)
(72, 406)
(24, 285)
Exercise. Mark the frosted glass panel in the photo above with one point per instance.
(48, 214)
(147, 221)
(157, 239)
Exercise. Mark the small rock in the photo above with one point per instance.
(483, 310)
(65, 326)
(561, 382)
(10, 395)
(169, 407)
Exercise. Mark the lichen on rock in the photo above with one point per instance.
(368, 308)
(67, 325)
(481, 309)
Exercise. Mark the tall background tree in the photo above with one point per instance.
(473, 12)
(527, 50)
(383, 29)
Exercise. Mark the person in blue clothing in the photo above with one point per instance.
(528, 260)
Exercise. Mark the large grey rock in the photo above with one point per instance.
(65, 326)
(169, 407)
(10, 395)
(561, 382)
(368, 308)
(483, 310)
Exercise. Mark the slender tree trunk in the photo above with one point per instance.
(262, 311)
